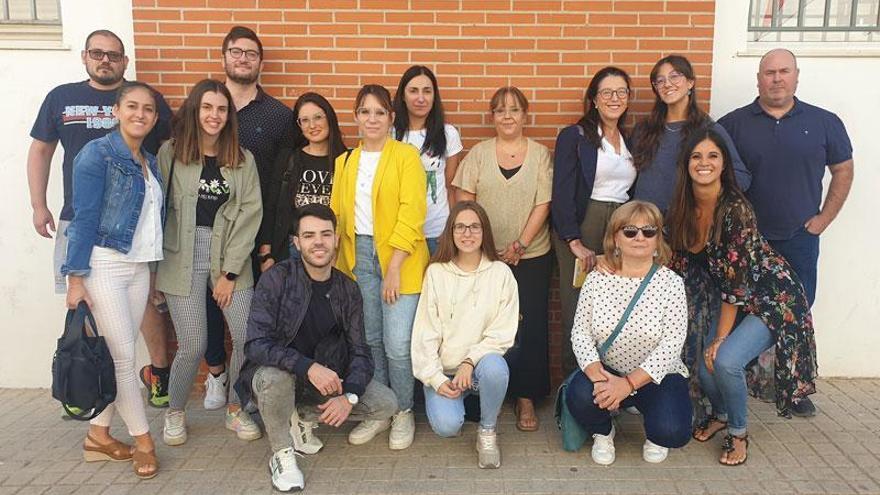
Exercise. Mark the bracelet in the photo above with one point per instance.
(523, 245)
(631, 384)
(468, 362)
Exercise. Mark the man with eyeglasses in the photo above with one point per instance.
(74, 114)
(265, 127)
(787, 145)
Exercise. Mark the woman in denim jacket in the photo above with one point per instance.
(214, 212)
(116, 231)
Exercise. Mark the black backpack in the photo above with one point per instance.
(83, 374)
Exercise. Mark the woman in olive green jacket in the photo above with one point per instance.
(213, 214)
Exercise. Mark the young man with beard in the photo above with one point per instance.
(306, 349)
(74, 114)
(265, 127)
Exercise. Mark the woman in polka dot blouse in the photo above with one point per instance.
(643, 366)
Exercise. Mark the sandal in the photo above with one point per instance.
(704, 425)
(728, 447)
(523, 422)
(115, 451)
(142, 459)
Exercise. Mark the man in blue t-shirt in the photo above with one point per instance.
(787, 145)
(74, 114)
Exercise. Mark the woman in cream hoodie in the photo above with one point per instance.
(466, 320)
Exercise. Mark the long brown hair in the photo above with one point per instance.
(187, 131)
(624, 216)
(683, 231)
(446, 249)
(650, 130)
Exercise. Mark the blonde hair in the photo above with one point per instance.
(624, 216)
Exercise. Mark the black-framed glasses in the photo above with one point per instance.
(98, 54)
(316, 119)
(631, 231)
(674, 78)
(460, 228)
(251, 55)
(608, 93)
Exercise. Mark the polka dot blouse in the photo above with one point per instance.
(654, 334)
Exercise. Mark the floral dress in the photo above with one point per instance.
(752, 275)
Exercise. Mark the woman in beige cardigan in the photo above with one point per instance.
(214, 212)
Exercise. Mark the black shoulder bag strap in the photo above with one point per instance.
(168, 191)
(603, 349)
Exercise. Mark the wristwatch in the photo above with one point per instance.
(352, 398)
(231, 276)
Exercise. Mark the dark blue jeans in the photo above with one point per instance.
(802, 254)
(666, 409)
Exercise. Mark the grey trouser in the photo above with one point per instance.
(275, 392)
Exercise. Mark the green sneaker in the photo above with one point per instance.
(157, 389)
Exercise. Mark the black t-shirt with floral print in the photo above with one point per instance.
(213, 192)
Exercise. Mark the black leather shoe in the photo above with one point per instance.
(803, 408)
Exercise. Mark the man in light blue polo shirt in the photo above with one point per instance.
(787, 144)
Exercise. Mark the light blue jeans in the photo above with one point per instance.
(388, 327)
(446, 416)
(726, 387)
(432, 244)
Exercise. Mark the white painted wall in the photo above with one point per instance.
(843, 79)
(31, 315)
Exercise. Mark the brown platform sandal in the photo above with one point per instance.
(521, 424)
(141, 459)
(114, 451)
(728, 447)
(704, 427)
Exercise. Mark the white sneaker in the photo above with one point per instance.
(174, 432)
(488, 453)
(243, 426)
(653, 453)
(603, 448)
(403, 429)
(215, 391)
(304, 441)
(367, 430)
(286, 476)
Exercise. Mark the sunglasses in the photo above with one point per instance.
(96, 54)
(631, 231)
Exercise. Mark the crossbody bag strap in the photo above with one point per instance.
(603, 349)
(168, 190)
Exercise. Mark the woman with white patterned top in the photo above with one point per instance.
(642, 367)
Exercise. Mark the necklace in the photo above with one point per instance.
(671, 129)
(517, 149)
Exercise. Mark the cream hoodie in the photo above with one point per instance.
(462, 315)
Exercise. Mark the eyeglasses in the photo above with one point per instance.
(631, 231)
(251, 55)
(316, 119)
(607, 94)
(460, 228)
(366, 113)
(97, 54)
(501, 112)
(674, 79)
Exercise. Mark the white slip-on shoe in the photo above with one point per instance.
(653, 453)
(603, 448)
(367, 430)
(304, 441)
(286, 476)
(403, 429)
(174, 432)
(215, 391)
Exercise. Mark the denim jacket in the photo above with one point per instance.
(108, 193)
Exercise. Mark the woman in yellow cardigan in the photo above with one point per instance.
(379, 199)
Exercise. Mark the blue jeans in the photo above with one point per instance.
(726, 387)
(802, 254)
(490, 382)
(388, 327)
(432, 245)
(666, 409)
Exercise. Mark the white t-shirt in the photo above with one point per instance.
(146, 243)
(363, 197)
(435, 169)
(615, 173)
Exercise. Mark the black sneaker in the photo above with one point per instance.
(157, 389)
(803, 408)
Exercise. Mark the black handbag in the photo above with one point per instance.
(83, 374)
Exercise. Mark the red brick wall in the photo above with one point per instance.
(548, 48)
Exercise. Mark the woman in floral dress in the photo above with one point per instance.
(763, 304)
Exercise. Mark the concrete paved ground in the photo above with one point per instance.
(838, 451)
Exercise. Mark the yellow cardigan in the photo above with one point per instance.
(399, 209)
